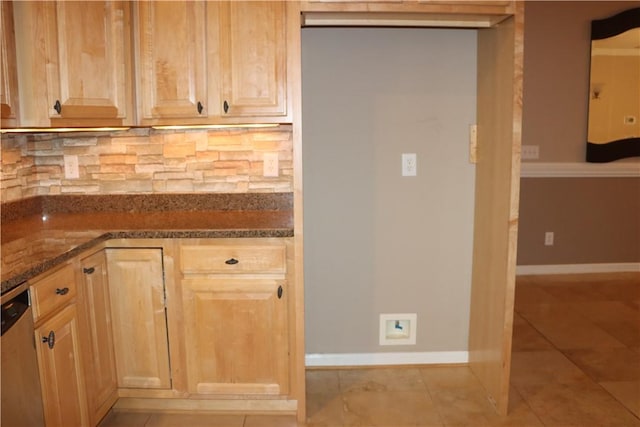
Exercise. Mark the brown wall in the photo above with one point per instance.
(557, 49)
(555, 104)
(594, 220)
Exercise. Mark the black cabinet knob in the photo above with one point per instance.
(62, 291)
(89, 270)
(225, 106)
(57, 106)
(231, 261)
(50, 339)
(200, 107)
(280, 290)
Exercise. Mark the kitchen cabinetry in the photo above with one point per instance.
(8, 69)
(75, 66)
(406, 13)
(172, 68)
(395, 4)
(235, 306)
(137, 294)
(500, 29)
(58, 348)
(228, 61)
(253, 53)
(193, 62)
(97, 336)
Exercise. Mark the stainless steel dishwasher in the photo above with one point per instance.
(20, 394)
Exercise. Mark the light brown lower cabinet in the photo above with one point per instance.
(138, 313)
(235, 310)
(58, 348)
(105, 331)
(61, 374)
(236, 337)
(97, 336)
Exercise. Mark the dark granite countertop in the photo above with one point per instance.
(38, 234)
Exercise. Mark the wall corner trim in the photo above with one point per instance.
(388, 358)
(580, 170)
(523, 270)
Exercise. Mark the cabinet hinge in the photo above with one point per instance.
(473, 144)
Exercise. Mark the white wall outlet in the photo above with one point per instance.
(548, 238)
(270, 165)
(71, 167)
(398, 329)
(530, 152)
(409, 164)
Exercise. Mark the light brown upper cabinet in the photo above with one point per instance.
(253, 52)
(8, 70)
(172, 69)
(74, 63)
(211, 62)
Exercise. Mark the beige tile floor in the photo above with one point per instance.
(575, 362)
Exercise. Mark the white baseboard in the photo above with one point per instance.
(522, 270)
(388, 358)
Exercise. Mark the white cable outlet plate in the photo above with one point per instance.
(398, 328)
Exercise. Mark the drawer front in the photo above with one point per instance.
(213, 259)
(53, 291)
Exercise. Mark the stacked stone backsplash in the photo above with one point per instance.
(145, 161)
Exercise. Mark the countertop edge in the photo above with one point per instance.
(11, 283)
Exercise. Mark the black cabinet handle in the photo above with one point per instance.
(50, 340)
(89, 270)
(62, 291)
(280, 292)
(231, 261)
(200, 107)
(225, 106)
(57, 106)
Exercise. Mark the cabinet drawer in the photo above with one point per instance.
(53, 291)
(233, 259)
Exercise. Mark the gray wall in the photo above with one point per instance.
(377, 242)
(555, 98)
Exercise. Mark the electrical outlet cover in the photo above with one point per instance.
(270, 165)
(409, 164)
(71, 167)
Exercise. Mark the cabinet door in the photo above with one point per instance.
(236, 336)
(172, 66)
(136, 290)
(253, 57)
(61, 376)
(99, 360)
(8, 68)
(89, 77)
